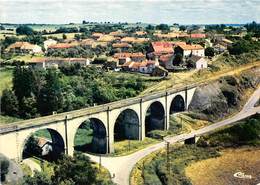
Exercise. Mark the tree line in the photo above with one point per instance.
(42, 92)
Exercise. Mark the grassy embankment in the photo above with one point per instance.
(237, 146)
(221, 66)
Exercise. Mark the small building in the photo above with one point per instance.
(106, 38)
(63, 45)
(188, 50)
(197, 62)
(89, 43)
(48, 43)
(122, 46)
(45, 145)
(97, 35)
(126, 57)
(157, 49)
(198, 36)
(24, 48)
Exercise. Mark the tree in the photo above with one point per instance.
(64, 36)
(182, 28)
(50, 98)
(209, 52)
(24, 30)
(9, 103)
(32, 147)
(77, 169)
(163, 27)
(39, 178)
(29, 107)
(178, 59)
(26, 82)
(4, 164)
(2, 27)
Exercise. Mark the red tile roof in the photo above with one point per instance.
(162, 47)
(62, 46)
(165, 58)
(129, 55)
(191, 47)
(198, 35)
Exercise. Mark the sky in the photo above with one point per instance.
(147, 11)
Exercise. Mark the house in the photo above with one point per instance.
(118, 33)
(121, 46)
(128, 39)
(43, 63)
(97, 35)
(225, 42)
(87, 43)
(24, 47)
(126, 57)
(197, 62)
(126, 66)
(188, 50)
(197, 35)
(63, 45)
(157, 49)
(48, 43)
(165, 60)
(147, 66)
(140, 33)
(106, 38)
(45, 145)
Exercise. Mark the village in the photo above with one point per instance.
(155, 51)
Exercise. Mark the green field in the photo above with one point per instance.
(8, 119)
(6, 79)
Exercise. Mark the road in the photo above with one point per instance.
(121, 167)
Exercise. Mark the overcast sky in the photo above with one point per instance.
(148, 11)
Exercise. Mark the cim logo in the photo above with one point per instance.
(242, 175)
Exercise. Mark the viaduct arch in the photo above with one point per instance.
(103, 121)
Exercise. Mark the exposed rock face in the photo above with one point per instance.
(209, 100)
(218, 98)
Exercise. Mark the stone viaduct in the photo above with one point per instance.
(103, 118)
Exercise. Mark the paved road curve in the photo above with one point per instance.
(121, 166)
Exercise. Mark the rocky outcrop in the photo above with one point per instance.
(219, 97)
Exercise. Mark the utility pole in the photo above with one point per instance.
(168, 157)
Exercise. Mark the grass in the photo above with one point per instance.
(8, 119)
(221, 170)
(6, 75)
(60, 35)
(26, 58)
(126, 147)
(43, 133)
(26, 169)
(213, 151)
(103, 174)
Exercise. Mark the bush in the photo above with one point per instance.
(4, 165)
(9, 103)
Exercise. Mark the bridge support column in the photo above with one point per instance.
(167, 113)
(141, 122)
(186, 99)
(110, 135)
